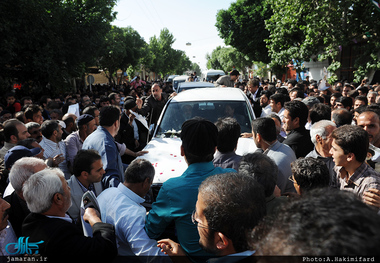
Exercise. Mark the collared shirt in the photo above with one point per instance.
(176, 202)
(73, 144)
(330, 165)
(102, 141)
(267, 110)
(283, 156)
(7, 236)
(361, 180)
(52, 149)
(128, 216)
(227, 160)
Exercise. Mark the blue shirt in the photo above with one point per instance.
(102, 141)
(176, 202)
(121, 207)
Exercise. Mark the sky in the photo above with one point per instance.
(188, 21)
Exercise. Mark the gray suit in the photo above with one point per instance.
(76, 195)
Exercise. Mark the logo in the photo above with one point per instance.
(23, 247)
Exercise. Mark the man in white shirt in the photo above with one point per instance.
(126, 212)
(53, 145)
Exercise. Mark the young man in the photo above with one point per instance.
(177, 197)
(349, 150)
(88, 173)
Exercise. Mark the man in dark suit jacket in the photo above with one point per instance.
(254, 93)
(62, 240)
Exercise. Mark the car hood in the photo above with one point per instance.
(165, 156)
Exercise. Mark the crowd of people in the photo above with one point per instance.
(312, 187)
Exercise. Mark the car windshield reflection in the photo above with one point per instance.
(178, 112)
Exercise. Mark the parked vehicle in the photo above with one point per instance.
(209, 103)
(193, 85)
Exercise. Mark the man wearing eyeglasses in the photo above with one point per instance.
(229, 206)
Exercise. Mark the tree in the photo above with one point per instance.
(243, 26)
(165, 59)
(123, 48)
(51, 41)
(227, 58)
(304, 30)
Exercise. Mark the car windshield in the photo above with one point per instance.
(178, 112)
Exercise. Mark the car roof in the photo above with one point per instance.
(182, 77)
(195, 84)
(211, 72)
(210, 94)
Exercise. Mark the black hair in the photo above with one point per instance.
(48, 127)
(310, 173)
(234, 205)
(31, 110)
(83, 161)
(228, 134)
(319, 112)
(108, 115)
(324, 222)
(297, 109)
(266, 127)
(10, 128)
(262, 168)
(278, 97)
(346, 101)
(352, 139)
(199, 139)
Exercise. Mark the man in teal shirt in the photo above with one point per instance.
(178, 196)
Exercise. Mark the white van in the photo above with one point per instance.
(179, 79)
(212, 75)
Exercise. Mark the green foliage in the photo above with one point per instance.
(301, 30)
(123, 48)
(164, 59)
(226, 58)
(243, 26)
(51, 41)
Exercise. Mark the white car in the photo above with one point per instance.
(193, 85)
(209, 103)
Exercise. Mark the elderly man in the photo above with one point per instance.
(222, 232)
(177, 196)
(47, 195)
(74, 142)
(320, 134)
(20, 172)
(126, 212)
(53, 145)
(88, 173)
(228, 80)
(153, 104)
